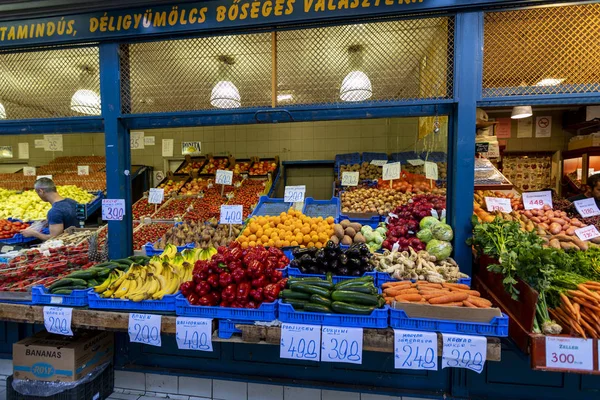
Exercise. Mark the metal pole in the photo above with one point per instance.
(274, 69)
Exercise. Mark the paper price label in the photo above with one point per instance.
(498, 204)
(341, 344)
(232, 214)
(416, 162)
(194, 333)
(44, 176)
(136, 140)
(588, 233)
(587, 207)
(300, 342)
(379, 163)
(83, 170)
(294, 194)
(223, 177)
(29, 171)
(53, 143)
(461, 351)
(156, 196)
(58, 320)
(431, 171)
(415, 350)
(113, 209)
(569, 353)
(350, 178)
(535, 200)
(145, 329)
(391, 171)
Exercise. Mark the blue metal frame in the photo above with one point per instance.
(52, 125)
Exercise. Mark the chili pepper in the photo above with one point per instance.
(229, 293)
(238, 275)
(260, 282)
(225, 279)
(203, 288)
(213, 280)
(193, 298)
(243, 290)
(271, 292)
(257, 294)
(186, 288)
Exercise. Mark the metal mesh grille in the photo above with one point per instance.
(557, 44)
(180, 75)
(403, 60)
(41, 83)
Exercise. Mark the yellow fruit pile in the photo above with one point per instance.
(287, 229)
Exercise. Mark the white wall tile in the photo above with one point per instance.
(258, 391)
(195, 386)
(298, 393)
(339, 395)
(161, 383)
(229, 390)
(130, 380)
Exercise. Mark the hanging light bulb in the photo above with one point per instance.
(225, 94)
(519, 112)
(356, 86)
(2, 111)
(86, 101)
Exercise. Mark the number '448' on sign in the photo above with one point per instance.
(536, 200)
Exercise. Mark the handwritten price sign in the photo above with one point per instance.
(231, 214)
(145, 329)
(415, 350)
(536, 200)
(223, 177)
(588, 233)
(194, 333)
(294, 194)
(350, 178)
(341, 344)
(58, 320)
(431, 170)
(379, 163)
(569, 353)
(29, 171)
(300, 342)
(391, 171)
(587, 207)
(498, 204)
(113, 209)
(461, 351)
(156, 196)
(83, 170)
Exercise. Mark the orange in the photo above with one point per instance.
(244, 245)
(274, 236)
(253, 227)
(278, 243)
(318, 245)
(247, 232)
(305, 230)
(286, 243)
(259, 232)
(329, 220)
(252, 238)
(270, 243)
(242, 239)
(310, 244)
(306, 239)
(294, 243)
(296, 231)
(268, 231)
(314, 238)
(251, 244)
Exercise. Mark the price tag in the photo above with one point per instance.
(113, 209)
(415, 350)
(431, 171)
(232, 214)
(294, 194)
(83, 170)
(379, 163)
(341, 344)
(29, 171)
(535, 200)
(300, 342)
(588, 233)
(223, 177)
(498, 204)
(391, 171)
(482, 147)
(416, 162)
(194, 333)
(58, 320)
(350, 178)
(53, 143)
(145, 329)
(461, 351)
(493, 151)
(44, 176)
(587, 207)
(156, 196)
(569, 353)
(136, 140)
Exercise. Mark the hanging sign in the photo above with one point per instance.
(223, 177)
(340, 344)
(145, 329)
(587, 207)
(83, 170)
(415, 350)
(350, 178)
(58, 320)
(156, 196)
(462, 351)
(543, 127)
(294, 194)
(191, 148)
(391, 171)
(482, 147)
(232, 214)
(300, 342)
(536, 200)
(167, 147)
(29, 171)
(113, 209)
(149, 140)
(498, 204)
(194, 333)
(569, 353)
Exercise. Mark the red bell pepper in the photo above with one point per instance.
(260, 282)
(238, 275)
(203, 288)
(213, 280)
(186, 288)
(271, 292)
(257, 294)
(225, 279)
(229, 293)
(243, 290)
(193, 298)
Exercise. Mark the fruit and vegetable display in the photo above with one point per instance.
(372, 201)
(236, 277)
(354, 261)
(419, 169)
(175, 207)
(74, 236)
(193, 165)
(9, 228)
(578, 311)
(411, 183)
(366, 170)
(347, 232)
(290, 228)
(353, 296)
(149, 233)
(435, 294)
(240, 167)
(213, 164)
(202, 235)
(172, 185)
(142, 208)
(263, 167)
(195, 186)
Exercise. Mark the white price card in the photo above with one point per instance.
(431, 170)
(223, 177)
(300, 342)
(415, 350)
(391, 171)
(44, 176)
(588, 233)
(294, 194)
(53, 143)
(569, 353)
(149, 140)
(462, 351)
(113, 209)
(340, 344)
(379, 163)
(416, 162)
(232, 214)
(29, 171)
(194, 333)
(156, 195)
(83, 170)
(587, 207)
(535, 200)
(58, 320)
(24, 151)
(167, 147)
(350, 178)
(145, 329)
(498, 204)
(136, 140)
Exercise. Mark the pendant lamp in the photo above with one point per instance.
(519, 112)
(356, 86)
(225, 94)
(2, 111)
(86, 101)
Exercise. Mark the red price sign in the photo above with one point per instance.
(498, 204)
(569, 353)
(536, 200)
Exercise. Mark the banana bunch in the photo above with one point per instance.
(206, 254)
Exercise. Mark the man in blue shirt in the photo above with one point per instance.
(61, 216)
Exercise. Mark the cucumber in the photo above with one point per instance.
(355, 297)
(102, 265)
(65, 292)
(125, 261)
(69, 288)
(310, 289)
(346, 308)
(321, 283)
(312, 307)
(318, 299)
(92, 282)
(367, 289)
(296, 303)
(60, 283)
(85, 275)
(290, 294)
(76, 282)
(103, 273)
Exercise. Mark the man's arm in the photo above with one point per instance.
(55, 230)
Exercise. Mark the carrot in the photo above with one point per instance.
(429, 285)
(452, 304)
(456, 285)
(434, 290)
(574, 325)
(588, 328)
(395, 293)
(393, 284)
(430, 296)
(471, 292)
(593, 284)
(466, 303)
(585, 303)
(566, 302)
(588, 292)
(577, 308)
(388, 300)
(479, 302)
(577, 293)
(449, 298)
(409, 297)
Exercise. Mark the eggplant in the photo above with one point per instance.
(365, 260)
(343, 271)
(312, 270)
(295, 263)
(356, 272)
(364, 249)
(322, 271)
(320, 255)
(299, 252)
(306, 259)
(343, 259)
(354, 264)
(333, 265)
(353, 252)
(303, 269)
(332, 246)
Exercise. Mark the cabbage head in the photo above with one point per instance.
(442, 232)
(428, 222)
(425, 235)
(440, 249)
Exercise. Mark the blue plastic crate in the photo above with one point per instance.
(295, 273)
(377, 319)
(167, 303)
(40, 295)
(344, 159)
(266, 311)
(269, 206)
(498, 326)
(322, 208)
(373, 221)
(368, 156)
(227, 327)
(20, 239)
(383, 277)
(153, 251)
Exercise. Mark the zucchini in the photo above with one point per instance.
(290, 294)
(69, 288)
(60, 283)
(64, 292)
(102, 265)
(303, 279)
(346, 308)
(296, 303)
(124, 261)
(92, 282)
(85, 275)
(312, 307)
(367, 289)
(318, 299)
(355, 297)
(321, 283)
(103, 273)
(355, 281)
(310, 289)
